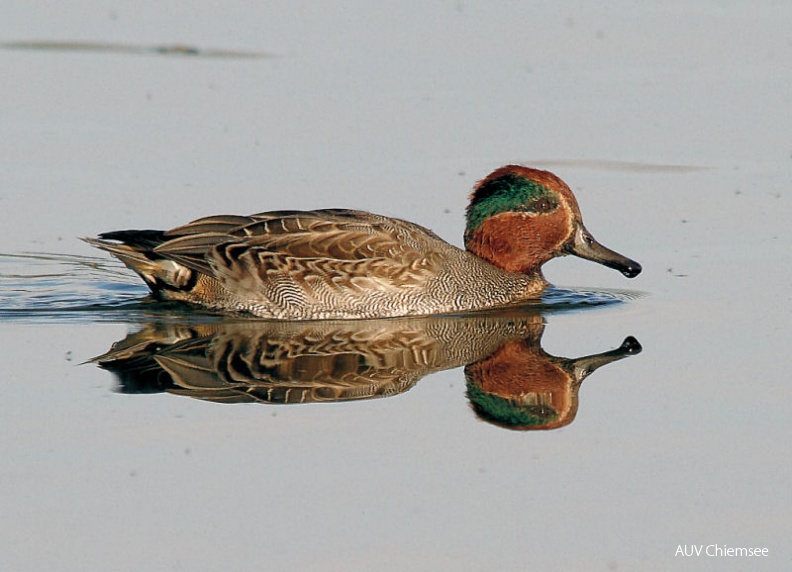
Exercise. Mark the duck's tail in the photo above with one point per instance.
(135, 248)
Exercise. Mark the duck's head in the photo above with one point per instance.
(519, 218)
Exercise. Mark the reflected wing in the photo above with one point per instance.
(275, 362)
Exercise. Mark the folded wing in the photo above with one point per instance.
(292, 258)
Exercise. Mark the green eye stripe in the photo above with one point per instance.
(503, 411)
(508, 193)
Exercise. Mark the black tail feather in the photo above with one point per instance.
(139, 239)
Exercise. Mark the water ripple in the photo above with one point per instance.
(56, 288)
(556, 298)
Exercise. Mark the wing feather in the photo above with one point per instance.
(290, 259)
(318, 256)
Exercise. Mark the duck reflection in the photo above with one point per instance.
(511, 381)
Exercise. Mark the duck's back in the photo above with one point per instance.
(313, 265)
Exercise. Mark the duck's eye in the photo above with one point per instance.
(541, 205)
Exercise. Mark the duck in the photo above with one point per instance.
(350, 264)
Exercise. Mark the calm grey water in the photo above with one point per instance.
(671, 125)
